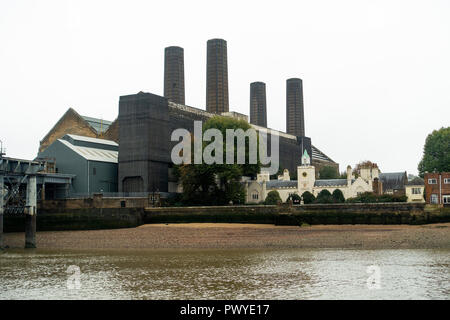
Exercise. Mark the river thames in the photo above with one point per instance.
(225, 274)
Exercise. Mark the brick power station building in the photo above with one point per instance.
(145, 123)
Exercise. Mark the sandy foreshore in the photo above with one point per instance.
(227, 236)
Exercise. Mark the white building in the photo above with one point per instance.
(415, 189)
(258, 189)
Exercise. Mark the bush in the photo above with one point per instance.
(324, 196)
(338, 196)
(273, 197)
(370, 197)
(294, 197)
(308, 197)
(174, 200)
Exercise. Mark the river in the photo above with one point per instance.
(225, 274)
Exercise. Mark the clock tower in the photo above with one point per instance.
(306, 174)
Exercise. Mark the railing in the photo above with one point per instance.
(113, 195)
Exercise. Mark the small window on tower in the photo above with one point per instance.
(94, 171)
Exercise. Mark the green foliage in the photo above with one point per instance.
(370, 197)
(308, 197)
(343, 175)
(436, 152)
(338, 196)
(222, 124)
(328, 172)
(324, 196)
(217, 184)
(175, 200)
(273, 197)
(294, 197)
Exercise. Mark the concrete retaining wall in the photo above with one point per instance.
(97, 201)
(380, 213)
(109, 218)
(79, 219)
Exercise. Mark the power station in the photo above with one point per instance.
(142, 131)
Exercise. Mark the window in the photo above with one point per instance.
(94, 171)
(447, 180)
(255, 196)
(432, 181)
(416, 190)
(446, 199)
(434, 198)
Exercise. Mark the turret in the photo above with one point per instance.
(349, 175)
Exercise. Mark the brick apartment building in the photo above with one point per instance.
(437, 188)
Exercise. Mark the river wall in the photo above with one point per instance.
(356, 213)
(78, 219)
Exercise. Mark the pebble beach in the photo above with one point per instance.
(229, 236)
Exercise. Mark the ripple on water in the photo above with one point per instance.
(226, 274)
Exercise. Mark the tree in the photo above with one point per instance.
(324, 196)
(328, 172)
(370, 197)
(308, 197)
(294, 197)
(338, 196)
(343, 175)
(273, 197)
(217, 184)
(436, 152)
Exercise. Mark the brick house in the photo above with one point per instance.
(437, 188)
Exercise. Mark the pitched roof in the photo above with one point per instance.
(393, 180)
(416, 182)
(281, 184)
(93, 154)
(317, 154)
(92, 140)
(99, 125)
(331, 182)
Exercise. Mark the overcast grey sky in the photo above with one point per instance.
(376, 74)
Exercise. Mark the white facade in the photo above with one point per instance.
(258, 189)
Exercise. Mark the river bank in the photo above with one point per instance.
(229, 236)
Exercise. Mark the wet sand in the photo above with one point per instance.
(228, 236)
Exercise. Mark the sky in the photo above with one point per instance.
(376, 74)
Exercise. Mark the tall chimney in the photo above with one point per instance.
(174, 74)
(295, 118)
(217, 76)
(258, 107)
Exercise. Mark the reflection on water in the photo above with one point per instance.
(225, 274)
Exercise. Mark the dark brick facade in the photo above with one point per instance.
(144, 151)
(146, 122)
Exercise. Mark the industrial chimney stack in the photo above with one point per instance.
(174, 74)
(258, 108)
(217, 76)
(295, 118)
